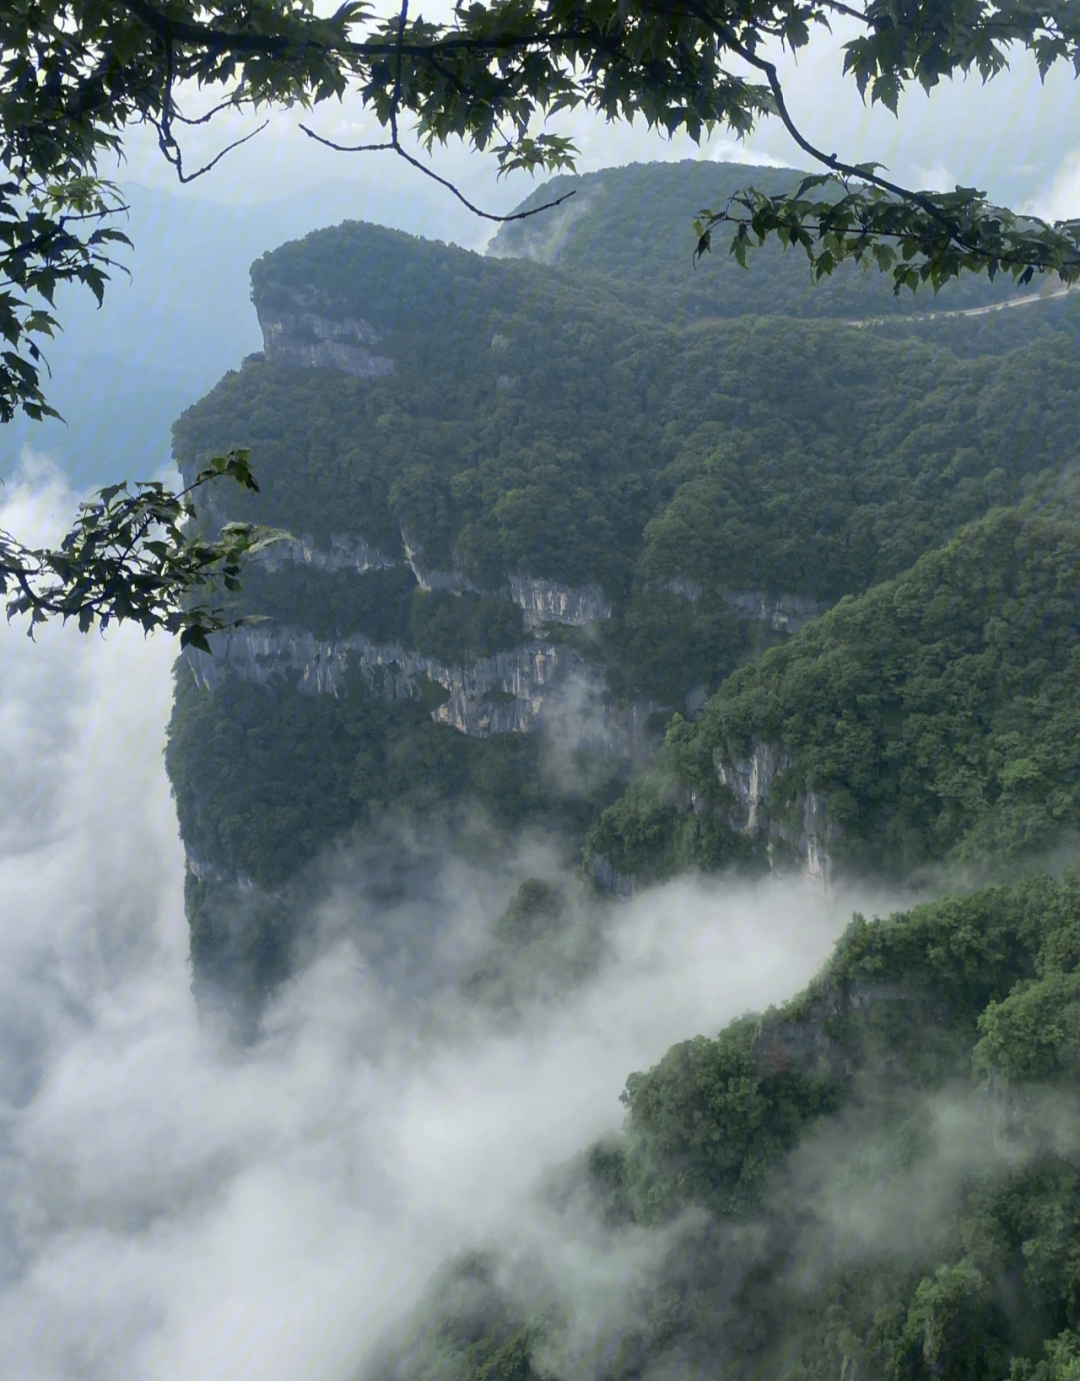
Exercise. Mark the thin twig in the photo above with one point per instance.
(846, 9)
(190, 177)
(442, 181)
(484, 215)
(167, 143)
(233, 102)
(394, 143)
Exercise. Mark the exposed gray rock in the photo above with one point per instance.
(344, 554)
(678, 585)
(697, 697)
(609, 879)
(749, 780)
(454, 581)
(815, 837)
(752, 811)
(627, 729)
(783, 613)
(546, 601)
(517, 691)
(205, 872)
(499, 694)
(305, 340)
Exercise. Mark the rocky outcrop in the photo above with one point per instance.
(518, 691)
(343, 554)
(799, 826)
(815, 836)
(783, 613)
(679, 585)
(607, 878)
(542, 601)
(495, 695)
(306, 340)
(546, 601)
(454, 581)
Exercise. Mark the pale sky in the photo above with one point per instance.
(1018, 140)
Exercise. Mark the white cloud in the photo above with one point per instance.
(1060, 198)
(178, 1208)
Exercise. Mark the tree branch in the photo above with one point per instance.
(394, 143)
(167, 143)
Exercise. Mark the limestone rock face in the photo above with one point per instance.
(546, 601)
(430, 579)
(499, 694)
(783, 613)
(306, 340)
(345, 553)
(800, 823)
(530, 687)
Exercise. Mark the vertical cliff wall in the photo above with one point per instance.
(531, 521)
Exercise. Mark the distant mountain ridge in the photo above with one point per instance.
(121, 374)
(634, 225)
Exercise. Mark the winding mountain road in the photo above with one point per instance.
(1025, 301)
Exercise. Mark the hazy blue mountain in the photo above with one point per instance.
(122, 374)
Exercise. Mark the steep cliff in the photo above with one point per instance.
(532, 519)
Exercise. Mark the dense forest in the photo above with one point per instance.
(877, 1179)
(674, 569)
(631, 226)
(934, 719)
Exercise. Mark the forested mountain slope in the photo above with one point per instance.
(933, 719)
(879, 1179)
(521, 500)
(634, 226)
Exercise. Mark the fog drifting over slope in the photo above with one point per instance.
(176, 1208)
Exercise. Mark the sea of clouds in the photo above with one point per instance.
(173, 1206)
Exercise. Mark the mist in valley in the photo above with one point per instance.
(177, 1206)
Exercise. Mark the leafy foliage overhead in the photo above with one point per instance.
(129, 552)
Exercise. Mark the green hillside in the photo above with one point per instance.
(672, 569)
(634, 225)
(879, 1179)
(934, 719)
